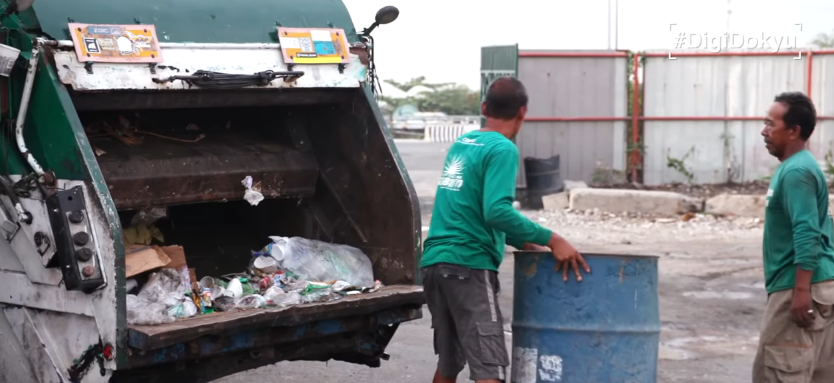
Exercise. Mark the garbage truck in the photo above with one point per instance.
(113, 109)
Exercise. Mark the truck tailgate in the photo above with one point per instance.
(146, 338)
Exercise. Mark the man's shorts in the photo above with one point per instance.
(468, 327)
(788, 353)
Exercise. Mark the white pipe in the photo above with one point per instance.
(70, 44)
(24, 107)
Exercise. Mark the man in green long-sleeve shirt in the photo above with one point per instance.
(472, 221)
(797, 334)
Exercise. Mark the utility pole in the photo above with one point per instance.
(616, 24)
(609, 24)
(729, 12)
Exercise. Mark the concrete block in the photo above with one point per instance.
(561, 200)
(571, 185)
(638, 201)
(556, 202)
(740, 205)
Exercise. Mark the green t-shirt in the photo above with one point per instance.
(473, 214)
(798, 227)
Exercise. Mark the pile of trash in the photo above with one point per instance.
(287, 272)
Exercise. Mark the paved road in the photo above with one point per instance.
(424, 162)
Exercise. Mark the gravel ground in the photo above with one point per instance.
(711, 292)
(594, 227)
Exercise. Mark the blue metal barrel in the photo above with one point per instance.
(605, 329)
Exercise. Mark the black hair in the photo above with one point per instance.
(801, 112)
(504, 98)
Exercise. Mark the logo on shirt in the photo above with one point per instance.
(470, 141)
(452, 178)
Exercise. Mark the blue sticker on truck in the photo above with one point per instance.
(324, 47)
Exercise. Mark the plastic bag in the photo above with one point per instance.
(164, 286)
(185, 277)
(224, 304)
(184, 309)
(251, 302)
(149, 216)
(316, 260)
(289, 299)
(140, 311)
(252, 193)
(274, 293)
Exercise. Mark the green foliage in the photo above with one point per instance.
(452, 99)
(829, 166)
(824, 40)
(679, 164)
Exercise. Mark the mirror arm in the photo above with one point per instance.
(367, 31)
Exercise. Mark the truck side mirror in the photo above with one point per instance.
(385, 15)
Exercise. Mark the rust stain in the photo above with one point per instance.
(622, 269)
(530, 271)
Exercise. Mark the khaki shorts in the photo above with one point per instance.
(790, 354)
(468, 327)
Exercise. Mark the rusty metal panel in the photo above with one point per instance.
(574, 87)
(712, 86)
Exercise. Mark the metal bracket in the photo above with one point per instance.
(152, 67)
(89, 67)
(10, 229)
(290, 66)
(342, 68)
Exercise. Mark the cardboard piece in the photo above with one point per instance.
(195, 284)
(139, 259)
(177, 255)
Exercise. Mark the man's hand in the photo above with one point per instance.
(801, 303)
(801, 308)
(567, 257)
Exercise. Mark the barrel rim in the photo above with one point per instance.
(589, 255)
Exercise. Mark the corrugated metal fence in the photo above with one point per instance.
(701, 113)
(577, 109)
(705, 112)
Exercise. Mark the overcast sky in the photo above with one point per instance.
(441, 39)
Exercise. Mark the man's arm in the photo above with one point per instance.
(799, 196)
(499, 188)
(515, 242)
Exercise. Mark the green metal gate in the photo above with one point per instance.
(497, 61)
